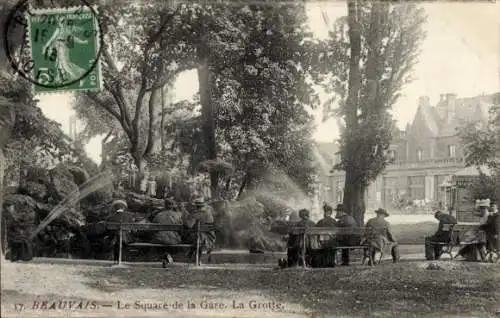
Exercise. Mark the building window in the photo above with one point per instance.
(391, 154)
(420, 154)
(452, 151)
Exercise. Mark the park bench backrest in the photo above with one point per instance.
(460, 227)
(158, 227)
(359, 231)
(465, 227)
(154, 227)
(457, 230)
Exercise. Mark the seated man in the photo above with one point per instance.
(345, 220)
(295, 241)
(204, 214)
(381, 235)
(433, 251)
(326, 258)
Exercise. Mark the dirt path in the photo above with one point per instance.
(407, 289)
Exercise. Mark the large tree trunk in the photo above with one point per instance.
(208, 114)
(353, 191)
(141, 165)
(2, 228)
(354, 196)
(162, 121)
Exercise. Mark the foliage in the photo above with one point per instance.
(365, 63)
(481, 141)
(482, 147)
(486, 186)
(252, 94)
(34, 139)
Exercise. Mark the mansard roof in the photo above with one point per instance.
(426, 117)
(466, 110)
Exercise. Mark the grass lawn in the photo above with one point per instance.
(406, 289)
(413, 233)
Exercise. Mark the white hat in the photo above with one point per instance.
(483, 203)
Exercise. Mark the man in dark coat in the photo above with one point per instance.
(345, 220)
(295, 241)
(491, 228)
(434, 251)
(118, 208)
(382, 235)
(327, 254)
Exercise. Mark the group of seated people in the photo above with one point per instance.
(482, 242)
(321, 250)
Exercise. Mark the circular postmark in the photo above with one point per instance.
(59, 47)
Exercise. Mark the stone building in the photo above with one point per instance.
(426, 154)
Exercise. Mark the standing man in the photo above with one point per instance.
(295, 241)
(491, 227)
(345, 220)
(118, 207)
(479, 238)
(382, 235)
(434, 251)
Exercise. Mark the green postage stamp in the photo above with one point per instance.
(65, 47)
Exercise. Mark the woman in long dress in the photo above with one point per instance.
(59, 46)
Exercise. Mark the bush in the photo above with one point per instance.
(36, 174)
(37, 191)
(80, 176)
(485, 187)
(246, 225)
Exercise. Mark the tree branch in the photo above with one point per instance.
(105, 139)
(103, 104)
(118, 94)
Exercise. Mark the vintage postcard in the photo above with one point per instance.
(249, 158)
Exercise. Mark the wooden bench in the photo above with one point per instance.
(456, 237)
(358, 232)
(154, 227)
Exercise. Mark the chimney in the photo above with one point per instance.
(424, 101)
(451, 101)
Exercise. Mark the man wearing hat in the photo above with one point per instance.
(327, 220)
(345, 220)
(483, 210)
(382, 234)
(118, 208)
(491, 227)
(434, 251)
(327, 256)
(202, 213)
(477, 238)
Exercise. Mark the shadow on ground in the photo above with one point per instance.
(404, 289)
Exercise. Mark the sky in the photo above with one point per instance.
(459, 55)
